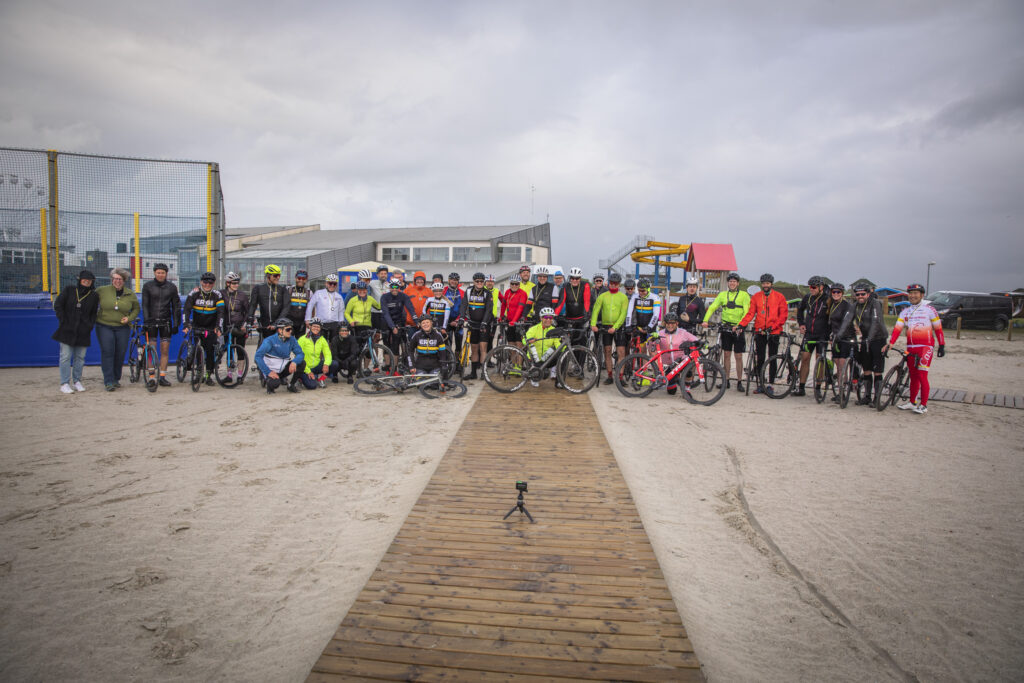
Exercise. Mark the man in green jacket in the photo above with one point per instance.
(316, 353)
(735, 303)
(610, 312)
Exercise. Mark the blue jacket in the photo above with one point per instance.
(275, 347)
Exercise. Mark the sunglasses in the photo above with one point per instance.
(574, 277)
(477, 281)
(332, 284)
(286, 329)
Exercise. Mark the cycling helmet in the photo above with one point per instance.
(436, 276)
(272, 270)
(478, 276)
(547, 312)
(860, 287)
(283, 322)
(333, 277)
(575, 272)
(207, 277)
(395, 283)
(365, 274)
(454, 276)
(361, 285)
(314, 321)
(644, 283)
(629, 284)
(814, 281)
(767, 277)
(540, 270)
(915, 287)
(424, 318)
(489, 278)
(515, 279)
(160, 266)
(598, 276)
(437, 286)
(671, 318)
(301, 273)
(526, 268)
(615, 277)
(232, 277)
(343, 325)
(734, 276)
(382, 267)
(693, 280)
(837, 287)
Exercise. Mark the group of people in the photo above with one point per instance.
(311, 337)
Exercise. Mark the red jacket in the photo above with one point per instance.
(513, 305)
(768, 313)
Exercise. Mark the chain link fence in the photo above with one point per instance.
(62, 212)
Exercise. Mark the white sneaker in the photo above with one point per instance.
(920, 409)
(907, 405)
(66, 388)
(534, 383)
(79, 387)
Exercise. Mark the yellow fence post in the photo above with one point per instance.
(54, 222)
(209, 216)
(138, 259)
(46, 253)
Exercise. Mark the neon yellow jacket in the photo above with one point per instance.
(610, 309)
(543, 342)
(734, 306)
(311, 352)
(357, 312)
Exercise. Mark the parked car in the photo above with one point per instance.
(975, 309)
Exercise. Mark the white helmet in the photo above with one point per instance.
(437, 286)
(333, 277)
(364, 274)
(515, 278)
(547, 312)
(692, 280)
(540, 270)
(490, 277)
(575, 272)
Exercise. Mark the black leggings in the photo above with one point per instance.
(760, 342)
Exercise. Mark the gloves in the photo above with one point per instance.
(942, 350)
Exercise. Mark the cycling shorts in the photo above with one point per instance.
(161, 330)
(922, 356)
(608, 337)
(477, 336)
(871, 357)
(816, 345)
(734, 341)
(842, 349)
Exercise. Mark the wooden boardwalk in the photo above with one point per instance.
(977, 398)
(462, 595)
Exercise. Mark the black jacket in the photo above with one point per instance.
(868, 317)
(694, 307)
(812, 312)
(161, 302)
(840, 318)
(271, 302)
(76, 308)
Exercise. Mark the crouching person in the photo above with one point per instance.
(280, 356)
(344, 354)
(316, 354)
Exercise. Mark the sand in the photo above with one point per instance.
(223, 535)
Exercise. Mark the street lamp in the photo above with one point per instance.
(928, 278)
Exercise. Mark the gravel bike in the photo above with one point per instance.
(780, 373)
(374, 358)
(192, 358)
(702, 379)
(141, 360)
(508, 368)
(849, 378)
(430, 385)
(896, 384)
(231, 363)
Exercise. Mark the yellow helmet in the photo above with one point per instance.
(272, 270)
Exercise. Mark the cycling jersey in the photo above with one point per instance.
(693, 307)
(479, 307)
(527, 287)
(644, 311)
(269, 301)
(610, 309)
(547, 295)
(429, 349)
(769, 312)
(395, 305)
(514, 305)
(327, 305)
(298, 300)
(161, 302)
(923, 327)
(455, 296)
(236, 306)
(358, 310)
(868, 319)
(576, 301)
(840, 320)
(672, 342)
(542, 341)
(734, 306)
(812, 314)
(440, 309)
(275, 353)
(205, 309)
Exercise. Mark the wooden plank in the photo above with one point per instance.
(958, 396)
(990, 399)
(1018, 401)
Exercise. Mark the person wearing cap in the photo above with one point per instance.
(735, 303)
(161, 314)
(279, 356)
(812, 317)
(297, 297)
(869, 323)
(542, 343)
(691, 307)
(768, 311)
(328, 305)
(515, 304)
(269, 299)
(118, 308)
(316, 356)
(359, 308)
(76, 307)
(204, 310)
(924, 328)
(609, 312)
(418, 293)
(344, 354)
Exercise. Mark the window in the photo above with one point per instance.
(394, 254)
(529, 255)
(513, 254)
(471, 254)
(430, 254)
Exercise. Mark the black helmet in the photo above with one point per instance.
(614, 277)
(160, 266)
(207, 277)
(437, 276)
(837, 287)
(343, 325)
(915, 287)
(629, 284)
(861, 287)
(767, 277)
(671, 318)
(734, 276)
(454, 276)
(644, 283)
(424, 317)
(283, 322)
(814, 281)
(479, 276)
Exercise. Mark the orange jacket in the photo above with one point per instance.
(418, 295)
(767, 312)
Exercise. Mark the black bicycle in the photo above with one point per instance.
(850, 379)
(508, 368)
(896, 384)
(141, 360)
(825, 374)
(780, 373)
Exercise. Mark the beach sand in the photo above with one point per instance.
(222, 535)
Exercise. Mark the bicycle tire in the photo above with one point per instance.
(751, 369)
(845, 384)
(785, 376)
(134, 363)
(198, 367)
(632, 379)
(382, 361)
(149, 369)
(182, 366)
(374, 386)
(444, 388)
(821, 378)
(577, 370)
(233, 367)
(707, 391)
(892, 387)
(505, 368)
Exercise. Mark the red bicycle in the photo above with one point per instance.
(701, 379)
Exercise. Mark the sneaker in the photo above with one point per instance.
(757, 390)
(609, 380)
(534, 383)
(739, 385)
(209, 381)
(920, 409)
(109, 387)
(907, 405)
(769, 391)
(66, 388)
(800, 391)
(293, 389)
(321, 383)
(864, 401)
(349, 380)
(79, 387)
(164, 381)
(334, 379)
(117, 385)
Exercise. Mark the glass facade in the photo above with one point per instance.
(471, 254)
(430, 254)
(510, 254)
(389, 254)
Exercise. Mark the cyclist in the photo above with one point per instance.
(674, 339)
(869, 323)
(923, 328)
(329, 306)
(544, 293)
(429, 347)
(359, 308)
(735, 304)
(691, 307)
(576, 304)
(840, 322)
(495, 296)
(380, 286)
(236, 305)
(204, 310)
(768, 310)
(610, 311)
(439, 308)
(480, 313)
(456, 295)
(298, 301)
(395, 305)
(542, 344)
(559, 277)
(629, 286)
(812, 317)
(269, 299)
(279, 356)
(597, 285)
(400, 276)
(437, 277)
(316, 356)
(525, 283)
(644, 312)
(344, 354)
(161, 313)
(418, 293)
(515, 305)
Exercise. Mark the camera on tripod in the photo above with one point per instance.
(520, 505)
(521, 486)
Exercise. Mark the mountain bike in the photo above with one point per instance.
(825, 374)
(896, 384)
(430, 385)
(780, 373)
(374, 358)
(702, 379)
(141, 360)
(235, 366)
(508, 368)
(849, 378)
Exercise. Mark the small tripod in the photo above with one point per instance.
(521, 486)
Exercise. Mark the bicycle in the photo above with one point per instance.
(192, 359)
(703, 382)
(430, 385)
(896, 384)
(374, 358)
(714, 351)
(780, 373)
(236, 365)
(849, 380)
(508, 368)
(141, 357)
(752, 369)
(825, 377)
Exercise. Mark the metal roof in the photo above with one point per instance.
(341, 239)
(270, 254)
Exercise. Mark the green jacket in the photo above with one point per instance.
(543, 342)
(126, 305)
(357, 312)
(311, 352)
(610, 309)
(734, 306)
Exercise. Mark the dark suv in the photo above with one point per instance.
(975, 309)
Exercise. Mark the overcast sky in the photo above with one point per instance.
(841, 138)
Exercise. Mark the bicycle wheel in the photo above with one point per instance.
(577, 370)
(751, 370)
(233, 368)
(635, 376)
(443, 388)
(845, 384)
(380, 361)
(778, 376)
(892, 387)
(505, 369)
(706, 390)
(134, 363)
(184, 356)
(149, 368)
(374, 385)
(198, 367)
(821, 378)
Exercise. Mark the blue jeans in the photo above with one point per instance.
(67, 353)
(113, 347)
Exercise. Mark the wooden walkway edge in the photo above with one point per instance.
(977, 398)
(463, 595)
